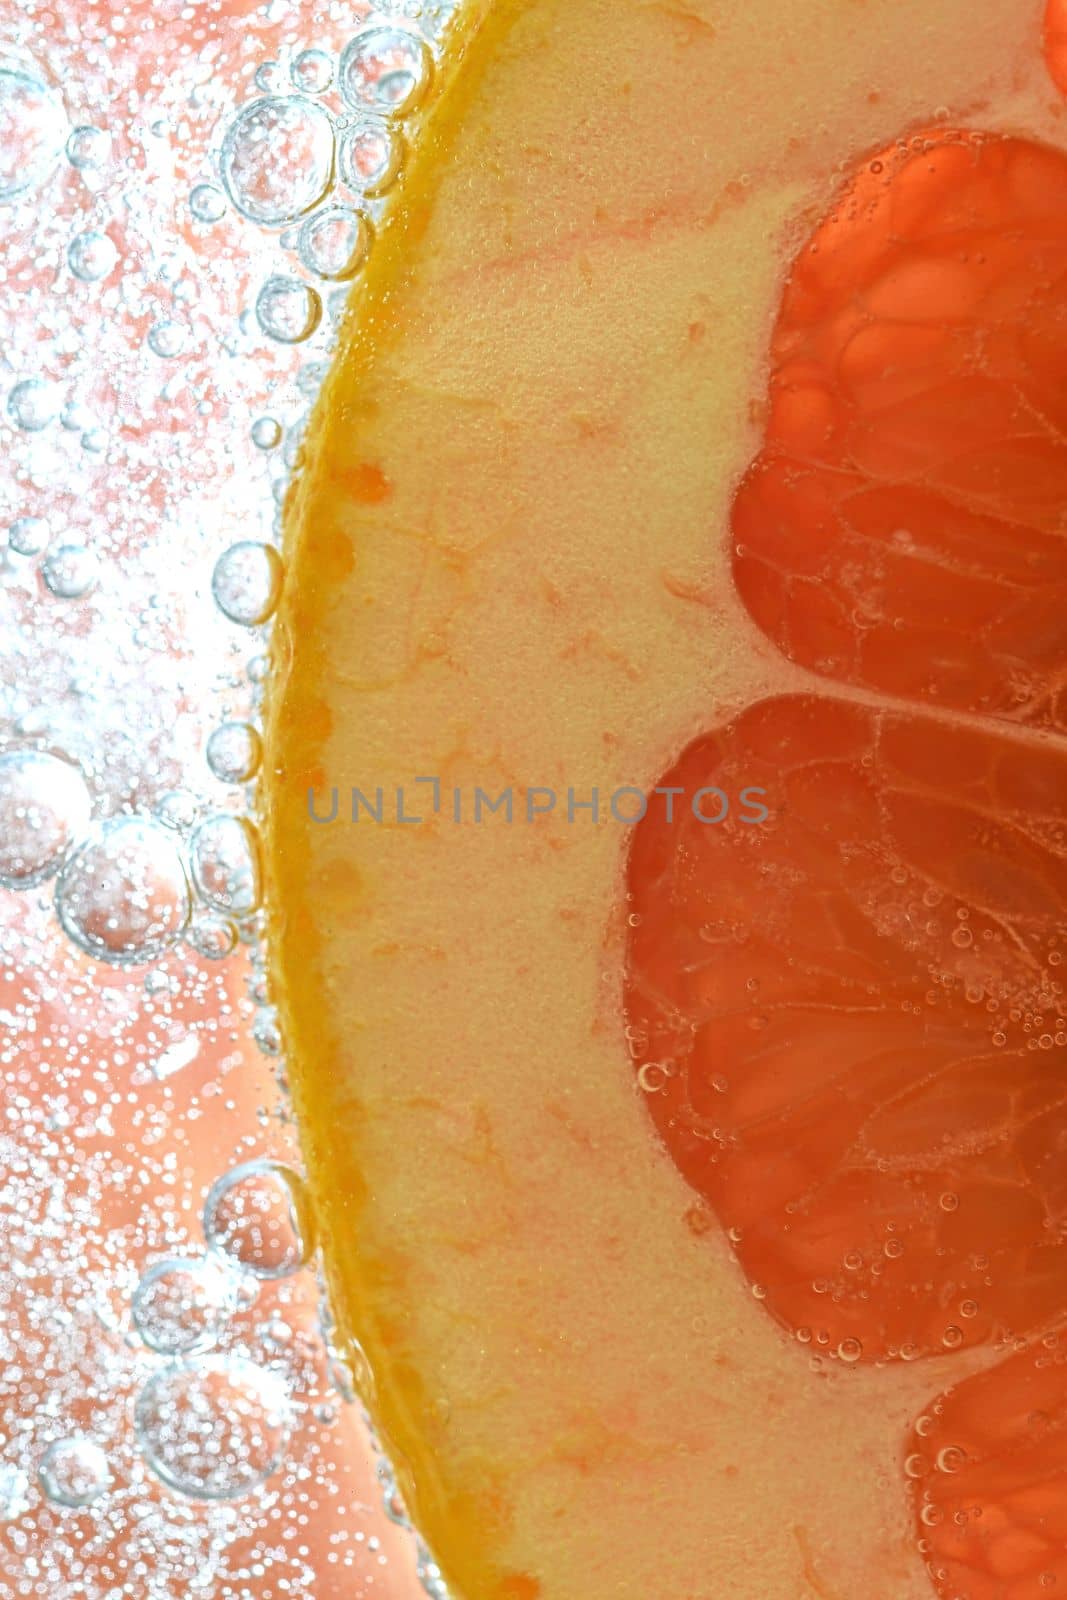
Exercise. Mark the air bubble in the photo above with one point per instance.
(34, 403)
(850, 1350)
(28, 536)
(234, 751)
(14, 1493)
(266, 433)
(247, 581)
(123, 895)
(277, 159)
(207, 203)
(70, 571)
(167, 338)
(385, 69)
(224, 856)
(312, 71)
(287, 310)
(950, 1459)
(88, 147)
(33, 125)
(334, 243)
(214, 1427)
(181, 1305)
(91, 256)
(259, 1216)
(372, 155)
(214, 938)
(44, 806)
(74, 1472)
(952, 1337)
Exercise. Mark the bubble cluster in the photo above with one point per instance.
(259, 1217)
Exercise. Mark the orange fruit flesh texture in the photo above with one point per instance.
(608, 483)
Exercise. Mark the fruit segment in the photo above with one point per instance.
(509, 565)
(987, 1466)
(848, 1020)
(902, 527)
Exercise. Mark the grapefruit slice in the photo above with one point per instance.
(512, 572)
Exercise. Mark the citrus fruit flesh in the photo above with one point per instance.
(605, 485)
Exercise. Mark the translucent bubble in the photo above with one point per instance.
(224, 855)
(259, 1216)
(88, 147)
(288, 310)
(34, 403)
(371, 157)
(277, 158)
(181, 1305)
(270, 78)
(334, 243)
(850, 1350)
(28, 536)
(14, 1493)
(213, 1427)
(91, 256)
(385, 69)
(167, 338)
(247, 581)
(33, 125)
(214, 938)
(76, 417)
(178, 809)
(44, 806)
(312, 71)
(74, 1472)
(123, 895)
(266, 433)
(207, 203)
(234, 750)
(70, 571)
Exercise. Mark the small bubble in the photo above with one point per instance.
(949, 1202)
(123, 895)
(952, 1337)
(70, 571)
(651, 1077)
(277, 159)
(916, 1466)
(207, 203)
(266, 433)
(76, 417)
(371, 157)
(312, 71)
(28, 536)
(91, 256)
(178, 809)
(74, 1472)
(214, 938)
(33, 125)
(287, 310)
(224, 855)
(850, 1350)
(968, 1308)
(34, 403)
(180, 1305)
(335, 243)
(950, 1459)
(247, 581)
(259, 1216)
(234, 751)
(88, 147)
(213, 1427)
(269, 78)
(385, 69)
(167, 338)
(44, 806)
